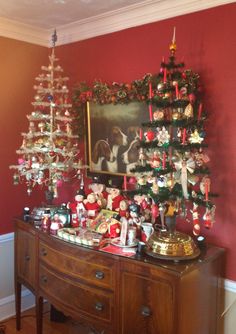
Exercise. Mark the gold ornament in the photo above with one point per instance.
(158, 115)
(188, 111)
(176, 115)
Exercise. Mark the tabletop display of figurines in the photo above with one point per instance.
(101, 213)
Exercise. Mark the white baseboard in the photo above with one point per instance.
(229, 285)
(6, 237)
(7, 304)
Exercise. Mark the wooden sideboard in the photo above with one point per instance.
(114, 294)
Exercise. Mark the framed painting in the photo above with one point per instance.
(113, 136)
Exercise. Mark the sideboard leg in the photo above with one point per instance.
(39, 315)
(18, 305)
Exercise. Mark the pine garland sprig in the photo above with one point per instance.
(155, 171)
(185, 123)
(175, 144)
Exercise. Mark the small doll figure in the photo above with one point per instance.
(74, 217)
(196, 222)
(114, 196)
(134, 211)
(79, 199)
(114, 229)
(135, 220)
(91, 206)
(99, 189)
(123, 209)
(80, 207)
(56, 224)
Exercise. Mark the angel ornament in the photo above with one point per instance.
(142, 157)
(184, 167)
(163, 136)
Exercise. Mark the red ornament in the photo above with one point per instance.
(150, 135)
(192, 98)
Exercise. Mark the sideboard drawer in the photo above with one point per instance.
(95, 270)
(87, 301)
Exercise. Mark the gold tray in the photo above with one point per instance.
(172, 246)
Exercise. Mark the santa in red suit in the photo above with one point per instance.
(91, 206)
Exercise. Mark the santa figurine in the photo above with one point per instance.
(114, 195)
(91, 205)
(74, 217)
(98, 187)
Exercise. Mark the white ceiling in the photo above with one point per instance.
(34, 20)
(47, 14)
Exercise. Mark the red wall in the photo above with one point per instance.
(207, 42)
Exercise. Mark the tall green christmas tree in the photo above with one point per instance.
(172, 169)
(49, 154)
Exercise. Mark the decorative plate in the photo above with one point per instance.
(117, 242)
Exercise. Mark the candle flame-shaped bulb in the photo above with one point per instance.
(173, 46)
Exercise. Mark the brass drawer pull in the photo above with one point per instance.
(27, 257)
(146, 311)
(99, 275)
(99, 306)
(44, 279)
(44, 252)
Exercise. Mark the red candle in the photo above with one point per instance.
(184, 136)
(165, 75)
(150, 90)
(150, 112)
(199, 112)
(177, 90)
(150, 104)
(164, 160)
(206, 190)
(140, 134)
(163, 61)
(125, 182)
